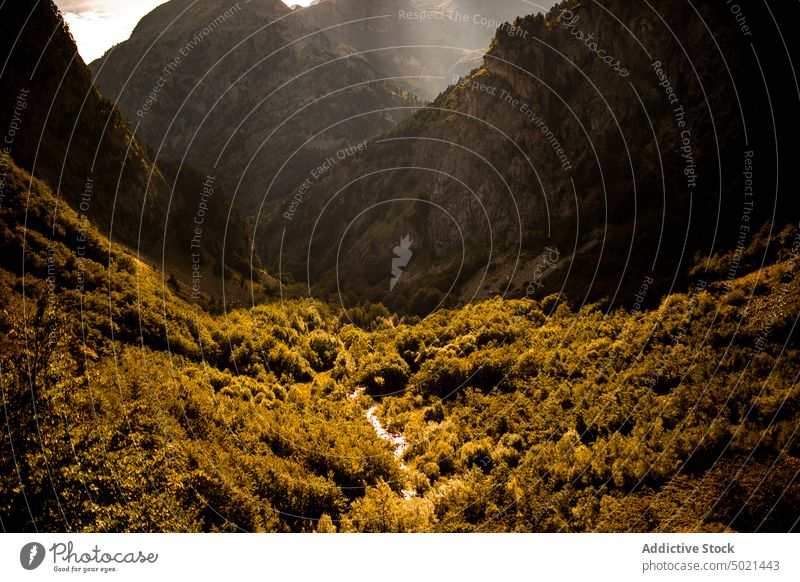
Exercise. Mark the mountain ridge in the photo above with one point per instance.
(269, 85)
(553, 146)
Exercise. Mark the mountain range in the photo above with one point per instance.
(245, 88)
(597, 146)
(532, 173)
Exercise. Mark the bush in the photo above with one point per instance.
(385, 377)
(288, 364)
(322, 350)
(442, 376)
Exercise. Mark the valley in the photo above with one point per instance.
(377, 267)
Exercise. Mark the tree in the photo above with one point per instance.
(325, 524)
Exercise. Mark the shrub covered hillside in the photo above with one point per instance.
(77, 141)
(128, 409)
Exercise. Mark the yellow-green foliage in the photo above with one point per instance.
(129, 409)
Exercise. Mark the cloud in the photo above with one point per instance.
(97, 25)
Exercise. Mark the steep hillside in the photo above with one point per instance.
(244, 89)
(120, 398)
(59, 128)
(599, 146)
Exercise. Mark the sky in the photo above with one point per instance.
(97, 25)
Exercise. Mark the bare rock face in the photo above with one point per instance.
(617, 135)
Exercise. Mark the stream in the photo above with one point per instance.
(398, 442)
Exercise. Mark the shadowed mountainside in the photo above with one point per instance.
(74, 139)
(598, 145)
(244, 89)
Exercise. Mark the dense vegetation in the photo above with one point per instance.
(127, 408)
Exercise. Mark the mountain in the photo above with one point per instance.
(64, 132)
(129, 407)
(248, 90)
(423, 44)
(577, 158)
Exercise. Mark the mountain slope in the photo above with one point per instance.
(127, 409)
(241, 89)
(120, 397)
(74, 139)
(600, 146)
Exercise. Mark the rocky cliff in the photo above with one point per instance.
(598, 146)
